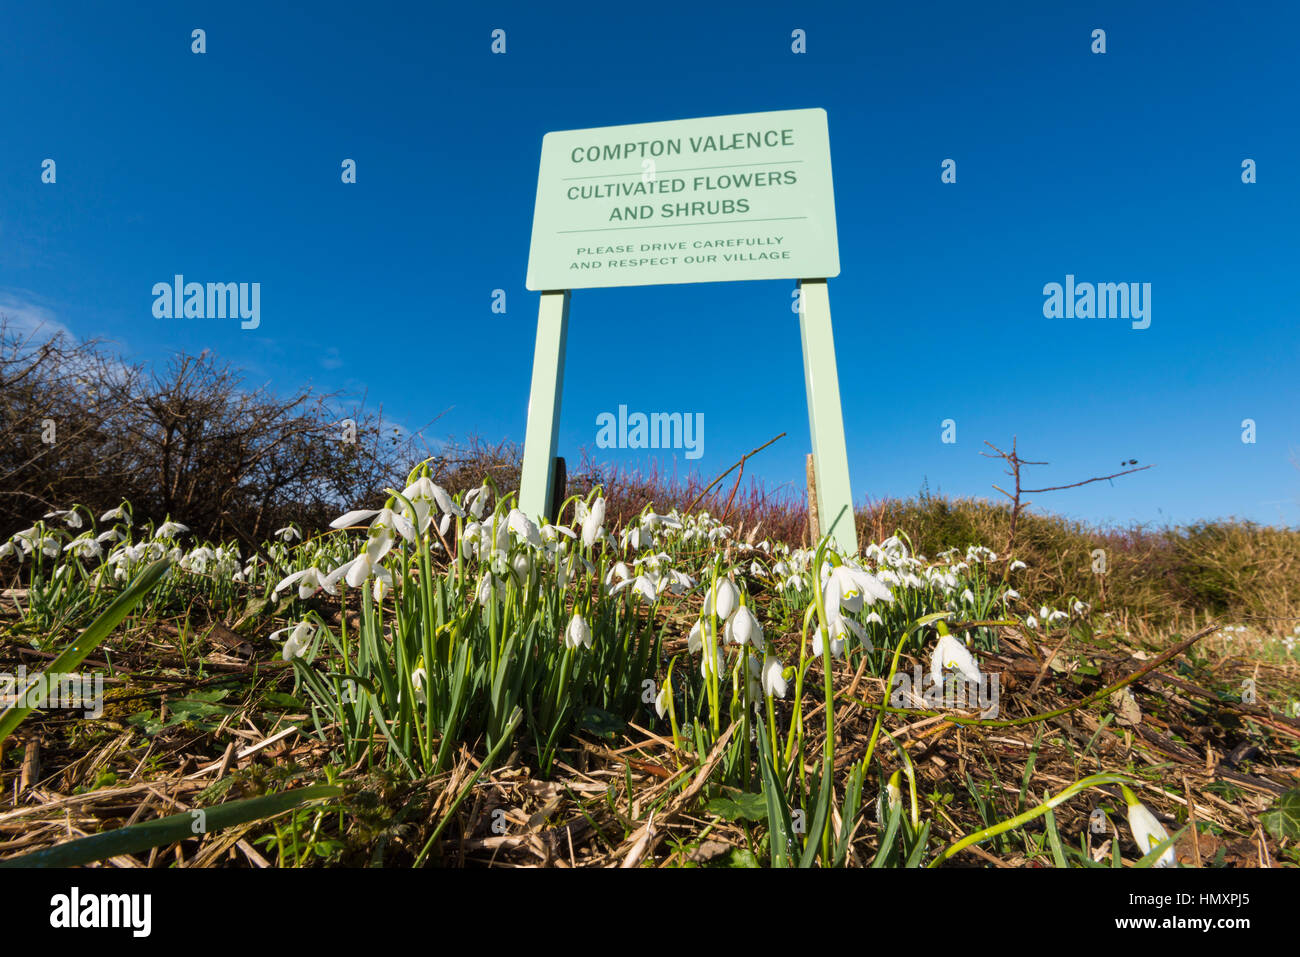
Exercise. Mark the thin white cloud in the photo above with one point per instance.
(27, 318)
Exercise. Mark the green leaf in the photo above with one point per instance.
(885, 854)
(778, 813)
(601, 723)
(745, 805)
(282, 700)
(90, 639)
(169, 830)
(737, 857)
(1054, 839)
(1282, 820)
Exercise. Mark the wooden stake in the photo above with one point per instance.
(814, 519)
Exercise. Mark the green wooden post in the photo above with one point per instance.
(544, 405)
(825, 418)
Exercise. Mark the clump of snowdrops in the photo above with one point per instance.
(479, 626)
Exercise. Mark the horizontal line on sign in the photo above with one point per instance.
(716, 222)
(687, 169)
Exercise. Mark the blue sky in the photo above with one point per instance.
(1122, 167)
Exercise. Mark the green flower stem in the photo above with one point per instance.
(1015, 822)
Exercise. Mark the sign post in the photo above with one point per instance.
(544, 404)
(825, 418)
(714, 199)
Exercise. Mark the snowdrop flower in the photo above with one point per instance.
(968, 597)
(592, 524)
(1080, 608)
(524, 527)
(951, 653)
(1147, 831)
(652, 520)
(679, 583)
(116, 514)
(476, 499)
(695, 642)
(354, 572)
(299, 641)
(84, 547)
(384, 527)
(354, 517)
(418, 679)
(1010, 594)
(728, 599)
(445, 503)
(578, 634)
(743, 628)
(774, 677)
(640, 585)
(849, 588)
(1017, 565)
(521, 565)
(170, 529)
(309, 581)
(837, 644)
(288, 534)
(661, 700)
(420, 495)
(71, 517)
(889, 798)
(383, 582)
(1057, 616)
(713, 667)
(1031, 623)
(488, 586)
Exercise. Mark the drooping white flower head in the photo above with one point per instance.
(727, 599)
(309, 581)
(578, 634)
(744, 629)
(298, 642)
(595, 520)
(1147, 831)
(850, 588)
(952, 654)
(695, 641)
(661, 700)
(774, 677)
(524, 527)
(837, 643)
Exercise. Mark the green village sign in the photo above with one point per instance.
(706, 200)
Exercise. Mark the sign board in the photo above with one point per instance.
(704, 200)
